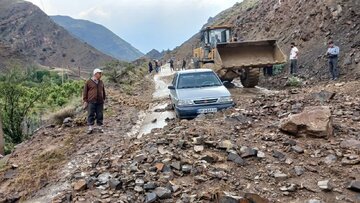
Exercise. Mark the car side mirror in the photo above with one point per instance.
(171, 87)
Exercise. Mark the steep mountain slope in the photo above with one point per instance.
(99, 37)
(310, 24)
(28, 31)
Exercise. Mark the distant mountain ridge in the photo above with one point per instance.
(99, 37)
(27, 34)
(155, 54)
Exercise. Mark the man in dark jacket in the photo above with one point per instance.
(183, 67)
(94, 97)
(171, 65)
(150, 67)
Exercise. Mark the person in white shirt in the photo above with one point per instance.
(333, 55)
(293, 59)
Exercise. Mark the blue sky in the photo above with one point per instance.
(146, 24)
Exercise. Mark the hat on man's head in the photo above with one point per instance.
(331, 42)
(97, 70)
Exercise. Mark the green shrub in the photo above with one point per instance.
(294, 81)
(277, 69)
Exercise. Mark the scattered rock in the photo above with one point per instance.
(247, 152)
(176, 165)
(159, 166)
(289, 161)
(150, 186)
(280, 176)
(138, 189)
(278, 155)
(150, 197)
(325, 185)
(140, 158)
(139, 182)
(186, 168)
(198, 140)
(260, 154)
(330, 159)
(350, 144)
(289, 188)
(115, 184)
(68, 122)
(290, 143)
(297, 149)
(198, 148)
(162, 193)
(314, 201)
(234, 157)
(80, 185)
(226, 144)
(227, 198)
(104, 178)
(299, 170)
(354, 185)
(210, 158)
(350, 160)
(313, 121)
(324, 96)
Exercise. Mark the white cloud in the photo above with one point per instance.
(94, 13)
(146, 24)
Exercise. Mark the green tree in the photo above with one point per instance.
(16, 102)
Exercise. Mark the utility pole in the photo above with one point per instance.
(2, 140)
(62, 76)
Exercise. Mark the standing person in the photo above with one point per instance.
(94, 97)
(333, 55)
(183, 65)
(171, 64)
(293, 59)
(234, 38)
(268, 70)
(150, 67)
(157, 67)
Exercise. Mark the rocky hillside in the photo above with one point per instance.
(29, 32)
(310, 24)
(99, 37)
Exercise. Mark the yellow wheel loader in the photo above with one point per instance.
(230, 58)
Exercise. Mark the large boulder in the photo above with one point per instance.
(314, 121)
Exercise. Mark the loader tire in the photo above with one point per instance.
(250, 77)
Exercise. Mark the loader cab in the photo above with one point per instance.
(216, 35)
(210, 38)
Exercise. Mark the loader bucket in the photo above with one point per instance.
(249, 54)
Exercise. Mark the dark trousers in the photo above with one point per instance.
(333, 66)
(268, 71)
(95, 112)
(293, 66)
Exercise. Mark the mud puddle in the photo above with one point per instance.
(158, 114)
(255, 90)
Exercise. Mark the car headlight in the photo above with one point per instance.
(185, 102)
(225, 100)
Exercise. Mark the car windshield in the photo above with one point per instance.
(196, 80)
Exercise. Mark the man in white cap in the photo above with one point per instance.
(94, 97)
